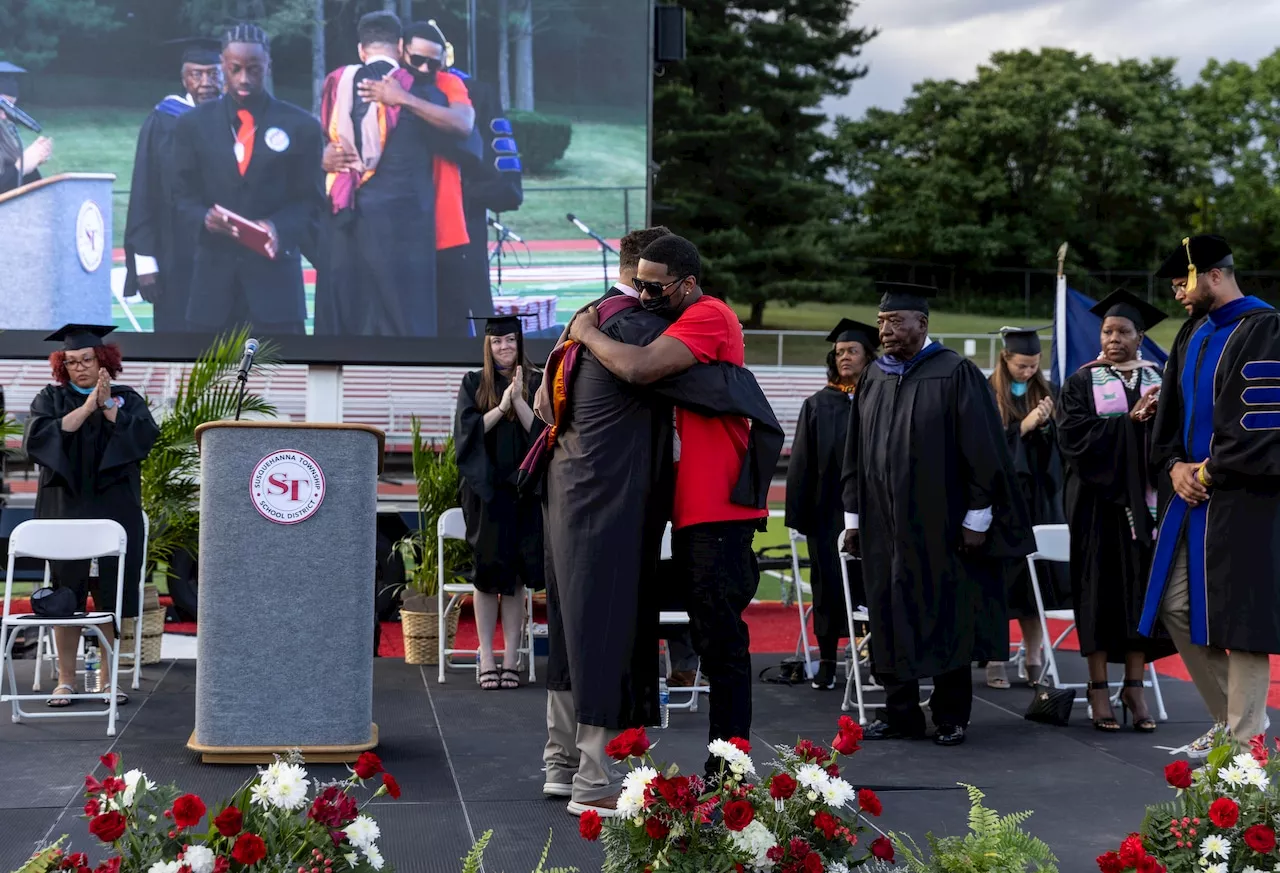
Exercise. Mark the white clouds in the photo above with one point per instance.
(948, 39)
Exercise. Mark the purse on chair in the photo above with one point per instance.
(54, 603)
(1051, 705)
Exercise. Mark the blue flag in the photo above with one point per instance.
(1077, 335)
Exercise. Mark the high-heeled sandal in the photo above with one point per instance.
(1144, 725)
(1107, 724)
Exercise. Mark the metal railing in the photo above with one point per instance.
(798, 348)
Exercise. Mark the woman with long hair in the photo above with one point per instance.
(1026, 404)
(493, 431)
(814, 499)
(18, 166)
(1104, 430)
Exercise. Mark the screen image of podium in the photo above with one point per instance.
(287, 562)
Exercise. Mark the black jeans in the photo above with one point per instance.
(951, 702)
(718, 577)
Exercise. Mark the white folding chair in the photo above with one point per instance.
(1053, 544)
(64, 540)
(452, 526)
(677, 618)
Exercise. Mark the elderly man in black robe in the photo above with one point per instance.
(931, 504)
(1216, 443)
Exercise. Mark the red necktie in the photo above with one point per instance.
(244, 139)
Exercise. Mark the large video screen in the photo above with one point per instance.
(360, 211)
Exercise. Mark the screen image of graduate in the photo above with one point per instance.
(89, 437)
(259, 158)
(493, 431)
(159, 248)
(18, 165)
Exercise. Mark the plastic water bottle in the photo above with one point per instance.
(664, 702)
(92, 668)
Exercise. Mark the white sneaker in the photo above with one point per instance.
(557, 789)
(576, 808)
(1199, 748)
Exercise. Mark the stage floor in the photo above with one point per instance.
(469, 761)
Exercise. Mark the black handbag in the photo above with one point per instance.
(54, 603)
(1051, 705)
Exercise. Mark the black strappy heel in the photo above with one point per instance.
(1145, 725)
(1109, 723)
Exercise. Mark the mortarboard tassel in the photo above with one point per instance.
(1191, 265)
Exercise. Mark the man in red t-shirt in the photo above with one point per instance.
(712, 535)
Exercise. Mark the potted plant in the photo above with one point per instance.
(170, 473)
(435, 471)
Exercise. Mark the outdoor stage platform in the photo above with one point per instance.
(470, 760)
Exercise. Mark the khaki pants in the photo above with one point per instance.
(1233, 684)
(575, 752)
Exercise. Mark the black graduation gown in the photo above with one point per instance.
(9, 177)
(1038, 463)
(503, 526)
(923, 449)
(814, 505)
(607, 498)
(93, 472)
(1112, 530)
(155, 227)
(1219, 403)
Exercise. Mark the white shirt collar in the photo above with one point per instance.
(627, 290)
(373, 59)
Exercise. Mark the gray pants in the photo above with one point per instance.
(1232, 684)
(575, 752)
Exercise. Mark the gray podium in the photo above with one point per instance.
(287, 558)
(55, 261)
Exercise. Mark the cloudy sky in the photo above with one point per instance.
(948, 39)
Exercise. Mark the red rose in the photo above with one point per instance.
(589, 825)
(868, 802)
(834, 771)
(850, 736)
(1110, 863)
(811, 753)
(738, 814)
(782, 786)
(111, 761)
(221, 864)
(187, 811)
(1178, 774)
(1151, 865)
(250, 849)
(76, 862)
(392, 786)
(229, 821)
(1132, 851)
(740, 744)
(882, 849)
(1261, 839)
(108, 827)
(813, 863)
(111, 865)
(368, 765)
(631, 743)
(827, 823)
(1224, 812)
(676, 792)
(656, 829)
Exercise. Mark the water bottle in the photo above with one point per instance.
(664, 701)
(92, 668)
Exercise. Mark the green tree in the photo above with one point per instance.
(1038, 148)
(30, 30)
(742, 149)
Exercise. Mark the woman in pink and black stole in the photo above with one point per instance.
(1104, 428)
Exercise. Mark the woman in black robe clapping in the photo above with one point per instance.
(1103, 426)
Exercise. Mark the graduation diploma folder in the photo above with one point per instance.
(253, 235)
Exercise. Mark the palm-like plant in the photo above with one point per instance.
(170, 474)
(436, 474)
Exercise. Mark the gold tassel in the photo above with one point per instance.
(1191, 267)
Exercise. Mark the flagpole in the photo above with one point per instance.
(1060, 318)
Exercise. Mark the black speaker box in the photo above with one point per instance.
(668, 34)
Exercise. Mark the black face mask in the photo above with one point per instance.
(660, 306)
(420, 77)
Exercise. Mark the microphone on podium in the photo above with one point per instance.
(19, 116)
(246, 362)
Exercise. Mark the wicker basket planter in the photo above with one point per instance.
(152, 628)
(422, 635)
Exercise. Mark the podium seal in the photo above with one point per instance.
(91, 236)
(287, 487)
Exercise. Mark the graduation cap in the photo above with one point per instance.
(201, 50)
(80, 336)
(899, 296)
(500, 325)
(1021, 340)
(1122, 304)
(10, 79)
(850, 331)
(1197, 254)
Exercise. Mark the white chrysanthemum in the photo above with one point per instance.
(1252, 869)
(812, 776)
(260, 793)
(374, 857)
(164, 867)
(755, 840)
(1215, 846)
(132, 780)
(1216, 868)
(837, 867)
(1256, 778)
(199, 859)
(362, 832)
(739, 761)
(1233, 776)
(631, 801)
(352, 858)
(1246, 761)
(837, 792)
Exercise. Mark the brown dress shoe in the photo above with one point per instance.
(605, 807)
(682, 679)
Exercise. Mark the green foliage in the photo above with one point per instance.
(170, 486)
(9, 429)
(281, 19)
(30, 31)
(543, 139)
(742, 149)
(474, 861)
(437, 478)
(44, 860)
(994, 844)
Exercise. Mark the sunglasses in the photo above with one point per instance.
(432, 64)
(654, 289)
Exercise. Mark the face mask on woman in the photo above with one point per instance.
(1019, 389)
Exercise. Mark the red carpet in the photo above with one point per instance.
(774, 630)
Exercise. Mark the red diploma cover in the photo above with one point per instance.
(253, 235)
